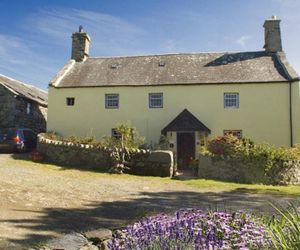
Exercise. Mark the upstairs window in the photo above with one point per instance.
(70, 101)
(155, 100)
(111, 101)
(231, 100)
(236, 133)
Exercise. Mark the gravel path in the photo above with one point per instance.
(41, 201)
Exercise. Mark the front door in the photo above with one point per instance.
(185, 148)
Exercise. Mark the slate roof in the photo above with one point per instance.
(185, 121)
(25, 90)
(173, 69)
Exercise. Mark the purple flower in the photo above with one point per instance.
(194, 229)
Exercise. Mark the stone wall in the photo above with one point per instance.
(139, 161)
(156, 163)
(284, 173)
(13, 112)
(69, 154)
(7, 108)
(36, 120)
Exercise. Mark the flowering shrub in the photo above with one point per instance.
(194, 229)
(223, 145)
(253, 163)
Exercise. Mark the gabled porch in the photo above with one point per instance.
(186, 134)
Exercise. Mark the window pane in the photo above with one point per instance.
(111, 101)
(155, 100)
(70, 101)
(28, 108)
(115, 133)
(236, 133)
(231, 100)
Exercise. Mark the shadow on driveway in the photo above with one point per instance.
(119, 213)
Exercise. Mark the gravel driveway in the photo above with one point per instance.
(41, 201)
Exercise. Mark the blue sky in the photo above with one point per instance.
(35, 36)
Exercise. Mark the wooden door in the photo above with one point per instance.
(185, 148)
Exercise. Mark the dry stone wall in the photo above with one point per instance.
(283, 173)
(139, 161)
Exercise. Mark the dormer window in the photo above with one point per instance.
(161, 64)
(115, 66)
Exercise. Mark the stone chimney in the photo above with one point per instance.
(272, 35)
(80, 45)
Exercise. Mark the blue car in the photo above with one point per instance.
(17, 140)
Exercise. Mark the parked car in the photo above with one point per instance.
(17, 140)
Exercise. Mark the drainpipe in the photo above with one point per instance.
(291, 114)
(290, 98)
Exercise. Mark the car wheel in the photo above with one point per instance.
(23, 148)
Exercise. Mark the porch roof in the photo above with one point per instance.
(185, 121)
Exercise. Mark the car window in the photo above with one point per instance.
(27, 134)
(7, 134)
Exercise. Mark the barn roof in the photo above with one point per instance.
(176, 69)
(24, 90)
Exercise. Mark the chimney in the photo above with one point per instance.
(272, 35)
(80, 45)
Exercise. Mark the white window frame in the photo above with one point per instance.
(235, 132)
(28, 108)
(156, 100)
(231, 100)
(111, 101)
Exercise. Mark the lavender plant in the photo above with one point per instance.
(194, 229)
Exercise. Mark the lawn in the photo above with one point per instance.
(213, 185)
(229, 186)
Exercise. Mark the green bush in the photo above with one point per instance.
(129, 138)
(90, 140)
(259, 163)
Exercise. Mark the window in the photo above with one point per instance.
(112, 101)
(70, 101)
(236, 133)
(155, 100)
(231, 100)
(28, 108)
(115, 134)
(29, 135)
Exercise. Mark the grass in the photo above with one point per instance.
(230, 186)
(203, 184)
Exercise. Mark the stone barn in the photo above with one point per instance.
(22, 105)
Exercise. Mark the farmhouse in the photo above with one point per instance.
(22, 105)
(189, 97)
